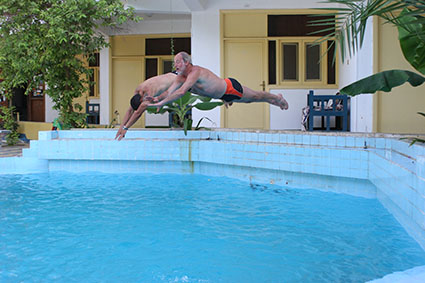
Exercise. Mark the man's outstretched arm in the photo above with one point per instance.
(130, 118)
(180, 91)
(121, 133)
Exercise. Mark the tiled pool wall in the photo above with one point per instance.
(367, 165)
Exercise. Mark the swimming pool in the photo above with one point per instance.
(132, 227)
(373, 166)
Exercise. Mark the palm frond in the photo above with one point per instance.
(351, 19)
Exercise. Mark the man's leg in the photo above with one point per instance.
(250, 95)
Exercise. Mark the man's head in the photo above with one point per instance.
(181, 60)
(135, 101)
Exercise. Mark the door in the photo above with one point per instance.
(127, 74)
(245, 61)
(36, 104)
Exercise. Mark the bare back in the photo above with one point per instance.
(156, 85)
(207, 84)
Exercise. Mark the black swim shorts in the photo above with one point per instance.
(233, 91)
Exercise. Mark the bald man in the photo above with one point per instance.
(202, 81)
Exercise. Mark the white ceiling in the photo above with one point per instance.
(166, 6)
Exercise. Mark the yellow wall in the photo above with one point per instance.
(126, 75)
(31, 129)
(128, 45)
(397, 110)
(127, 72)
(244, 24)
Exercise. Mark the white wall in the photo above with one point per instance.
(206, 53)
(356, 68)
(155, 24)
(51, 114)
(297, 99)
(104, 88)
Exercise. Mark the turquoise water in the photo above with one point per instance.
(67, 227)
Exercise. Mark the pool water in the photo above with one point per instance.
(97, 227)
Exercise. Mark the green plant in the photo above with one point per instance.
(9, 123)
(350, 26)
(180, 109)
(49, 41)
(114, 120)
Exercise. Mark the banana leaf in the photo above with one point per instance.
(187, 125)
(191, 100)
(153, 110)
(383, 81)
(184, 99)
(411, 41)
(204, 98)
(207, 105)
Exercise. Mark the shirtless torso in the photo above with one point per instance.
(207, 83)
(156, 85)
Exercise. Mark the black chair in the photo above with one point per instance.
(327, 106)
(93, 110)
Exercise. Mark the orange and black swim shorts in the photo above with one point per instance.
(233, 91)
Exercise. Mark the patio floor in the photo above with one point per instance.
(10, 151)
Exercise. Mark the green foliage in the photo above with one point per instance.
(180, 108)
(351, 21)
(412, 42)
(9, 123)
(48, 41)
(383, 81)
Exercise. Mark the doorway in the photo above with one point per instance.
(245, 61)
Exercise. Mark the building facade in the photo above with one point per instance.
(261, 44)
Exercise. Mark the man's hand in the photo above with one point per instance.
(158, 105)
(121, 133)
(151, 99)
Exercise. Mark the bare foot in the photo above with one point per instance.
(281, 102)
(227, 104)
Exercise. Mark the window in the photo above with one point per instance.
(290, 61)
(312, 62)
(158, 58)
(94, 76)
(300, 61)
(156, 65)
(162, 46)
(295, 57)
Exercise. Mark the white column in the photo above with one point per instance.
(104, 84)
(206, 53)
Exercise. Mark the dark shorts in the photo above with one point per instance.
(233, 91)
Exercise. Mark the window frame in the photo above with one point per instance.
(96, 79)
(159, 61)
(302, 55)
